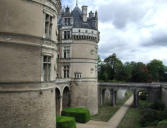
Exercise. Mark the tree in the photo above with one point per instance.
(157, 70)
(140, 73)
(114, 66)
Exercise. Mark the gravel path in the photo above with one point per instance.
(113, 122)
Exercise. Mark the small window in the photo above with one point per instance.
(78, 75)
(66, 70)
(46, 68)
(66, 51)
(48, 26)
(67, 35)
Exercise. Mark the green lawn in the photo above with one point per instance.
(131, 119)
(107, 111)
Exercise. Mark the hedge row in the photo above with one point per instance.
(81, 115)
(65, 122)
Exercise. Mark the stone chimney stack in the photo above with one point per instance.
(84, 13)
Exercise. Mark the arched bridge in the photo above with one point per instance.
(153, 90)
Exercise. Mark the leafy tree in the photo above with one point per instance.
(157, 70)
(114, 65)
(140, 73)
(103, 73)
(113, 69)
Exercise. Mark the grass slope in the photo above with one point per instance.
(107, 111)
(131, 119)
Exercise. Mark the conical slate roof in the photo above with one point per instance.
(77, 17)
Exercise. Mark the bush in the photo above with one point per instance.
(81, 115)
(65, 122)
(162, 114)
(162, 124)
(144, 104)
(149, 117)
(158, 105)
(143, 95)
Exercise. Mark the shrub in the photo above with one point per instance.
(143, 95)
(144, 104)
(162, 114)
(158, 105)
(65, 122)
(81, 115)
(162, 124)
(149, 117)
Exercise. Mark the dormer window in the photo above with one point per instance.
(67, 21)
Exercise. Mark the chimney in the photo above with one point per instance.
(84, 13)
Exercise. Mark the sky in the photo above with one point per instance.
(136, 30)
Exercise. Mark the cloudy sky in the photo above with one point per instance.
(136, 30)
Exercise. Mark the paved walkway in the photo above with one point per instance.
(113, 122)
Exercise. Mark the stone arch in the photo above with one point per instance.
(58, 102)
(66, 97)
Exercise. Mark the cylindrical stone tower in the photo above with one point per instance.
(78, 46)
(28, 50)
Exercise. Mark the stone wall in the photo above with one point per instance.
(27, 108)
(25, 100)
(84, 94)
(18, 63)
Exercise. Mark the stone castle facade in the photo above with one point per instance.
(48, 61)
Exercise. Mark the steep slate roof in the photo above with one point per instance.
(77, 19)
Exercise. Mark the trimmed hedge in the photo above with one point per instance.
(81, 115)
(65, 122)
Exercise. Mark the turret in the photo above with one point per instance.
(67, 10)
(91, 14)
(84, 13)
(96, 15)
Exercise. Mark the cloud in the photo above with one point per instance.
(121, 13)
(158, 38)
(136, 30)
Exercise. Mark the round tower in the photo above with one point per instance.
(78, 47)
(28, 50)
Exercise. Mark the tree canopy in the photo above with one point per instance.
(112, 69)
